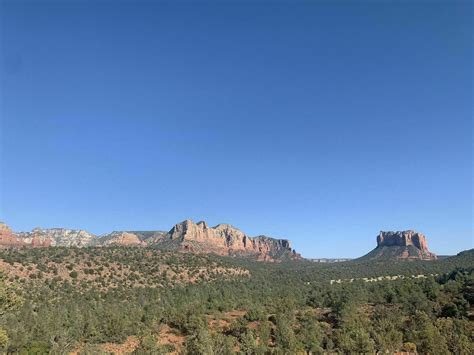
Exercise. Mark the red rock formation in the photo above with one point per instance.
(225, 239)
(41, 242)
(123, 239)
(404, 238)
(40, 237)
(403, 245)
(7, 238)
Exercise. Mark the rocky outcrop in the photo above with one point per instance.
(150, 237)
(402, 239)
(7, 238)
(121, 239)
(60, 237)
(225, 239)
(402, 245)
(4, 229)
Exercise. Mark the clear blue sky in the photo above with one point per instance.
(320, 122)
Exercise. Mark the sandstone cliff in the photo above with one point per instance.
(7, 238)
(225, 239)
(408, 245)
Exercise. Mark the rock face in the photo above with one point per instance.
(60, 237)
(7, 238)
(402, 239)
(121, 239)
(225, 239)
(409, 245)
(150, 237)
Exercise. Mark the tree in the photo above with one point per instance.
(248, 343)
(457, 333)
(3, 339)
(386, 325)
(255, 314)
(310, 334)
(9, 300)
(223, 345)
(148, 345)
(263, 333)
(425, 335)
(284, 335)
(354, 340)
(354, 333)
(200, 343)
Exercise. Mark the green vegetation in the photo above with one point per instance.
(59, 300)
(9, 302)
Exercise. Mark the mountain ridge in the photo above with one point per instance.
(187, 236)
(222, 239)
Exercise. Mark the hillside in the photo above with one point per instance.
(114, 267)
(126, 299)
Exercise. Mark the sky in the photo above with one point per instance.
(323, 122)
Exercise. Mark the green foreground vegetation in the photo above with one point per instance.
(58, 300)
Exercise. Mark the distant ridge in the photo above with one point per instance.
(187, 236)
(467, 255)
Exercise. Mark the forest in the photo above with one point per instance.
(145, 301)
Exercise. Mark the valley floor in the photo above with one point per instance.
(141, 300)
